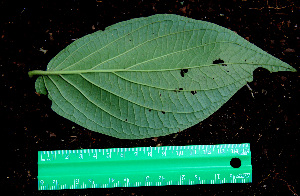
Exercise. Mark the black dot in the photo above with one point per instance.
(126, 119)
(235, 162)
(149, 110)
(163, 112)
(180, 89)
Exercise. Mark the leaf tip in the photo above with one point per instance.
(293, 69)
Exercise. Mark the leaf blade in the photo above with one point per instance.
(152, 76)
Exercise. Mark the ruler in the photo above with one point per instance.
(144, 166)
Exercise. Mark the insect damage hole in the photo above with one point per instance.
(219, 61)
(193, 92)
(180, 89)
(183, 71)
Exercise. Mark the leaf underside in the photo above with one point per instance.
(152, 76)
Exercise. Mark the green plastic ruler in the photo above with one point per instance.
(144, 166)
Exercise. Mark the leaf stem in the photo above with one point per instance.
(44, 73)
(35, 72)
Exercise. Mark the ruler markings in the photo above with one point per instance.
(157, 166)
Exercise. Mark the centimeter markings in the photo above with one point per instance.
(144, 166)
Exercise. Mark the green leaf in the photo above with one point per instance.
(152, 76)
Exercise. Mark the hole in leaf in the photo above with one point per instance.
(149, 110)
(235, 162)
(126, 119)
(183, 71)
(180, 89)
(193, 92)
(163, 112)
(218, 61)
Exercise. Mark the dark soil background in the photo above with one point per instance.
(33, 33)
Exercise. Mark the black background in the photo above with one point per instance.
(270, 121)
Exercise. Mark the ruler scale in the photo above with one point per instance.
(144, 166)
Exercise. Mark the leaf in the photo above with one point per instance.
(152, 76)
